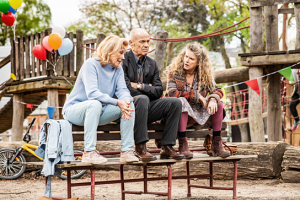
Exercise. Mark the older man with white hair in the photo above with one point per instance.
(143, 81)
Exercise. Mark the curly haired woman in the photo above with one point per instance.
(190, 78)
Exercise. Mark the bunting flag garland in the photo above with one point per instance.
(254, 85)
(287, 73)
(13, 77)
(71, 89)
(51, 110)
(224, 95)
(29, 106)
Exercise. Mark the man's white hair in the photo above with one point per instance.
(135, 31)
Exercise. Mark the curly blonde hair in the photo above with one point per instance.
(205, 70)
(109, 46)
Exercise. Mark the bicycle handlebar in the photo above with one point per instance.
(30, 125)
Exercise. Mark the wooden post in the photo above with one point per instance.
(255, 101)
(274, 125)
(170, 53)
(18, 118)
(297, 16)
(12, 57)
(284, 28)
(72, 57)
(100, 38)
(79, 50)
(160, 51)
(17, 58)
(49, 67)
(53, 101)
(61, 102)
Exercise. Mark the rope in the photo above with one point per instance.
(206, 35)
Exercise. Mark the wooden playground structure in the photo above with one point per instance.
(261, 60)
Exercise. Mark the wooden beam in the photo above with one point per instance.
(274, 121)
(100, 38)
(4, 61)
(297, 17)
(53, 101)
(90, 41)
(243, 120)
(160, 51)
(286, 11)
(61, 102)
(39, 85)
(238, 74)
(255, 101)
(18, 118)
(261, 3)
(79, 50)
(270, 60)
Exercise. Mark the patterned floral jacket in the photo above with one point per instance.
(177, 87)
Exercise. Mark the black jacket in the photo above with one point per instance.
(151, 75)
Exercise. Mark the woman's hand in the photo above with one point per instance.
(203, 101)
(125, 108)
(212, 107)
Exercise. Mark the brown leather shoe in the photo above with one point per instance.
(218, 148)
(158, 143)
(142, 153)
(167, 152)
(184, 148)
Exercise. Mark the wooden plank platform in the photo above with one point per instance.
(263, 59)
(116, 161)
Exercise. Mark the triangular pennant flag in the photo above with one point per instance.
(71, 88)
(50, 111)
(13, 77)
(224, 95)
(254, 85)
(287, 73)
(29, 106)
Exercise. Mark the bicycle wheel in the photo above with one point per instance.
(74, 173)
(14, 170)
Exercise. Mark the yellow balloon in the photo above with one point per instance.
(55, 40)
(15, 4)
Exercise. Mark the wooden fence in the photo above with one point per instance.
(25, 65)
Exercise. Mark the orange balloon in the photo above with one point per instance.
(55, 40)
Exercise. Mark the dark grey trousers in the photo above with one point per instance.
(147, 111)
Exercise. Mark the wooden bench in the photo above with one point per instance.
(111, 132)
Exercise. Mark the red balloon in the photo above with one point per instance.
(39, 52)
(8, 19)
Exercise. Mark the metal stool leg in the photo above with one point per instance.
(69, 183)
(234, 179)
(145, 178)
(188, 179)
(169, 182)
(122, 184)
(92, 184)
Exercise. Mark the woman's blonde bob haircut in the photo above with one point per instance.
(109, 46)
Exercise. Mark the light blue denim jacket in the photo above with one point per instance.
(56, 148)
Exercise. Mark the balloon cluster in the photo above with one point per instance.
(8, 9)
(55, 41)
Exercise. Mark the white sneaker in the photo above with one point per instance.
(128, 156)
(93, 157)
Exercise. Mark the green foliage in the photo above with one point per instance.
(117, 17)
(224, 14)
(33, 16)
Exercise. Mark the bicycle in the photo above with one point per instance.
(11, 158)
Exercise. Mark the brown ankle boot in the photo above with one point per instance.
(167, 152)
(158, 143)
(218, 148)
(142, 153)
(184, 148)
